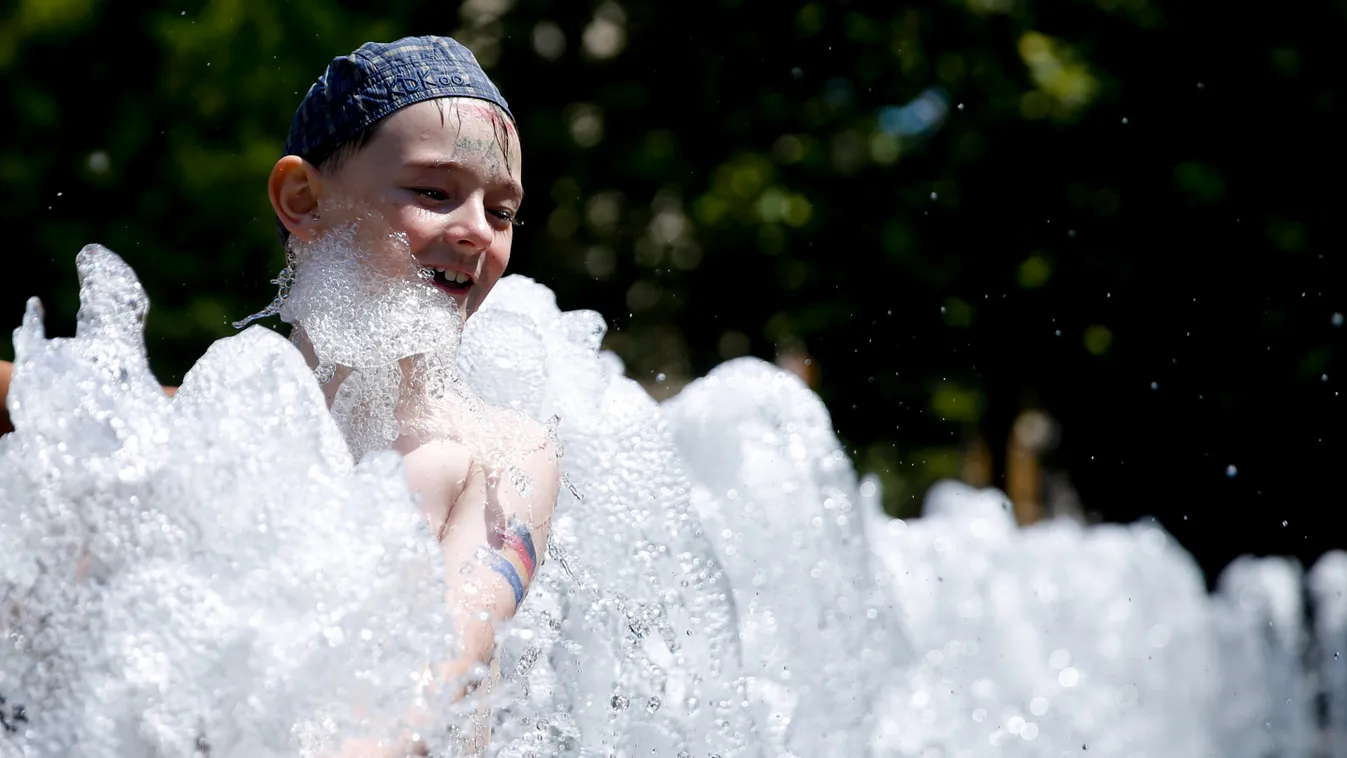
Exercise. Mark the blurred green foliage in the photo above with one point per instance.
(1117, 199)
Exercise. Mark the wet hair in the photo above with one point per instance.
(501, 122)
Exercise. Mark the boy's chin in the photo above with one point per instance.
(464, 301)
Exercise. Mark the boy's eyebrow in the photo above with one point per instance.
(449, 164)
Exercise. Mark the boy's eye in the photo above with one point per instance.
(507, 215)
(439, 196)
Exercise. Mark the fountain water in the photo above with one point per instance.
(208, 572)
(219, 574)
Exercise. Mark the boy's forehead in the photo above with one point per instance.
(451, 126)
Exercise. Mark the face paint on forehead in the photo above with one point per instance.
(488, 150)
(496, 150)
(482, 109)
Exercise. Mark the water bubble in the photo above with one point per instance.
(1231, 471)
(652, 704)
(1059, 660)
(1337, 319)
(619, 703)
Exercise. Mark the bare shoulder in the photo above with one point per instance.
(505, 446)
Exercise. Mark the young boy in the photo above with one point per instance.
(415, 135)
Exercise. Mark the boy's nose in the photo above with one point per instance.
(469, 228)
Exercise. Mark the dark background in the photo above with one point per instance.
(1129, 219)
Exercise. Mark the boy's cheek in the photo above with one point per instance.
(413, 222)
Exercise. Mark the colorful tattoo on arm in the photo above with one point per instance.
(512, 556)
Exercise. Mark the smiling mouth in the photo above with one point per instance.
(452, 282)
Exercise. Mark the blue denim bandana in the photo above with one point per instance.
(359, 89)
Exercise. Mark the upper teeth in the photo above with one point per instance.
(457, 277)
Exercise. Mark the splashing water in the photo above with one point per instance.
(211, 571)
(238, 571)
(1058, 638)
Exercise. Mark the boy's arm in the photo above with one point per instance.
(493, 540)
(7, 370)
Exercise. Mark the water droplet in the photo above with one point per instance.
(1337, 319)
(1285, 522)
(660, 377)
(1230, 471)
(652, 704)
(934, 196)
(1124, 122)
(960, 106)
(620, 703)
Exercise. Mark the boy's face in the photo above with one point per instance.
(447, 175)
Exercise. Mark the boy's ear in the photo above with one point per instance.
(294, 187)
